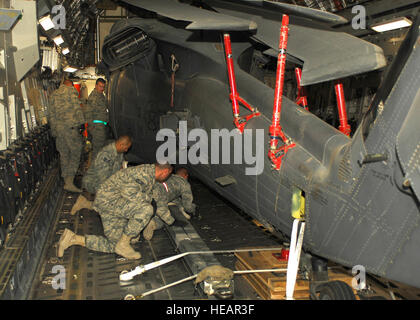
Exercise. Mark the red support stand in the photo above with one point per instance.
(240, 122)
(301, 100)
(276, 152)
(342, 113)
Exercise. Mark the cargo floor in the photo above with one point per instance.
(88, 275)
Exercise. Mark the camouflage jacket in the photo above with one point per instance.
(96, 107)
(64, 109)
(177, 190)
(132, 184)
(107, 162)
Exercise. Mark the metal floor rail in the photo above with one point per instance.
(92, 275)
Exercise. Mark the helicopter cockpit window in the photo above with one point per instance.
(360, 90)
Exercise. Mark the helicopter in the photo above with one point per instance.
(168, 68)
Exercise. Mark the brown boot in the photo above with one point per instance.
(81, 203)
(148, 231)
(68, 239)
(69, 186)
(124, 249)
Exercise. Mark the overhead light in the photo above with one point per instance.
(70, 69)
(397, 23)
(58, 40)
(65, 51)
(46, 23)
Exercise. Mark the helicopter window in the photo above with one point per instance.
(127, 45)
(264, 68)
(359, 90)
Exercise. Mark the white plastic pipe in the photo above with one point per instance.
(294, 258)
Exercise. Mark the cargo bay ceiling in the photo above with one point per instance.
(79, 31)
(82, 20)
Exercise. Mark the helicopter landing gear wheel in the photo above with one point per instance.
(336, 290)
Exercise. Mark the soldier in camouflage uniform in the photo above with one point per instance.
(108, 161)
(66, 118)
(175, 192)
(96, 114)
(124, 204)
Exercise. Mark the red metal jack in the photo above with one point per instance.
(276, 152)
(240, 122)
(341, 103)
(301, 100)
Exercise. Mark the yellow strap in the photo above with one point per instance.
(298, 204)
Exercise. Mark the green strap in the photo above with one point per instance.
(99, 121)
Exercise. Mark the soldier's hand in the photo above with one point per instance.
(179, 223)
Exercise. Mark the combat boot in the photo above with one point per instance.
(69, 186)
(68, 239)
(124, 249)
(148, 231)
(81, 203)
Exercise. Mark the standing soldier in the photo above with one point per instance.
(66, 119)
(96, 114)
(124, 205)
(176, 191)
(108, 161)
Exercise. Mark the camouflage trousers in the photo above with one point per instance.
(69, 145)
(89, 184)
(99, 138)
(159, 223)
(118, 218)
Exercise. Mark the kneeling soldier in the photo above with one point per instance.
(108, 161)
(124, 205)
(175, 191)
